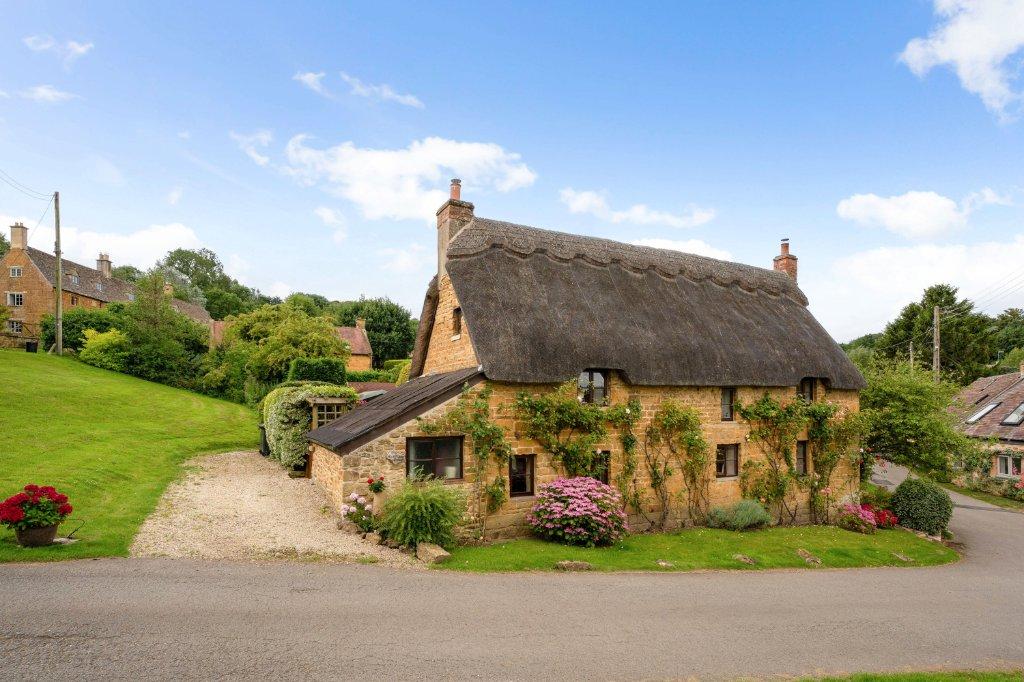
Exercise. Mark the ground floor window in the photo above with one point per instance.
(520, 475)
(434, 457)
(727, 461)
(15, 326)
(801, 457)
(1008, 466)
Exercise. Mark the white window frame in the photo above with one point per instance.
(1008, 459)
(977, 416)
(1010, 421)
(12, 299)
(16, 271)
(75, 279)
(15, 326)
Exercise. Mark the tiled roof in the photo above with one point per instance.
(356, 338)
(91, 282)
(1006, 391)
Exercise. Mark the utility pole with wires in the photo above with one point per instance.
(911, 354)
(936, 343)
(60, 275)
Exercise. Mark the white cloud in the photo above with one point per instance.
(696, 246)
(174, 196)
(46, 94)
(279, 289)
(595, 204)
(863, 291)
(383, 92)
(236, 266)
(251, 143)
(413, 258)
(405, 183)
(915, 215)
(313, 81)
(977, 39)
(69, 52)
(104, 171)
(334, 219)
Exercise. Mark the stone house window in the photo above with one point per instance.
(74, 278)
(14, 326)
(457, 323)
(1007, 466)
(728, 403)
(806, 390)
(593, 386)
(74, 300)
(15, 300)
(99, 286)
(727, 461)
(801, 457)
(1014, 418)
(15, 271)
(439, 457)
(520, 475)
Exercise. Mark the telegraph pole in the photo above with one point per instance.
(911, 354)
(60, 275)
(936, 343)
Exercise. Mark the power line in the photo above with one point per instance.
(39, 222)
(24, 189)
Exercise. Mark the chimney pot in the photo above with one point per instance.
(456, 189)
(785, 261)
(19, 236)
(103, 265)
(451, 218)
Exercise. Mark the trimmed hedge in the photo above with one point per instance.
(330, 370)
(360, 375)
(922, 505)
(390, 365)
(287, 416)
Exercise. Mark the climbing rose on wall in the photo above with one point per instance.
(578, 511)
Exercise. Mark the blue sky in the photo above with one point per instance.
(884, 139)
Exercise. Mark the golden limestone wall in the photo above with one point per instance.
(447, 350)
(341, 475)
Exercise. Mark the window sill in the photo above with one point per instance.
(723, 479)
(456, 337)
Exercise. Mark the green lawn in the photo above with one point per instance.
(706, 548)
(962, 676)
(110, 441)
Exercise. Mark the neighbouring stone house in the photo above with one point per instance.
(28, 284)
(519, 309)
(993, 411)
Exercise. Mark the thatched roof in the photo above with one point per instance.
(541, 306)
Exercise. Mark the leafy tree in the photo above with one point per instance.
(967, 335)
(76, 321)
(1009, 331)
(1011, 362)
(5, 245)
(224, 295)
(312, 304)
(128, 273)
(5, 314)
(868, 341)
(389, 326)
(183, 288)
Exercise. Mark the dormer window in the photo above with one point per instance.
(457, 322)
(74, 277)
(99, 286)
(806, 389)
(593, 386)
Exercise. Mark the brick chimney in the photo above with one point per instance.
(19, 236)
(360, 323)
(454, 215)
(785, 261)
(103, 265)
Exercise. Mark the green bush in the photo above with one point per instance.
(423, 512)
(360, 375)
(744, 515)
(76, 321)
(389, 365)
(403, 374)
(922, 505)
(875, 495)
(330, 370)
(287, 416)
(106, 350)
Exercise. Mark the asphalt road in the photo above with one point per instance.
(161, 619)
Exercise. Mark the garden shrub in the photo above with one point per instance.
(424, 511)
(876, 496)
(389, 365)
(578, 511)
(287, 416)
(922, 505)
(744, 515)
(106, 350)
(76, 321)
(403, 374)
(856, 518)
(359, 511)
(330, 370)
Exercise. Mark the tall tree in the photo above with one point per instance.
(224, 295)
(5, 245)
(128, 273)
(389, 326)
(1009, 331)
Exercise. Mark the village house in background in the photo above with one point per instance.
(28, 283)
(516, 308)
(361, 357)
(993, 410)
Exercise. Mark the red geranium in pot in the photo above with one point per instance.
(34, 514)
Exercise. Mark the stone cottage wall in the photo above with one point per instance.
(447, 351)
(341, 475)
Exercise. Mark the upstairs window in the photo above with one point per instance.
(982, 412)
(434, 458)
(593, 386)
(727, 461)
(74, 278)
(728, 403)
(520, 475)
(99, 286)
(1014, 418)
(16, 271)
(806, 390)
(457, 322)
(15, 300)
(801, 457)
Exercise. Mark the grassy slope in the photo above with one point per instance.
(706, 548)
(110, 441)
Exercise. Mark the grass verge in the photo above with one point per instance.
(998, 501)
(110, 441)
(706, 548)
(961, 676)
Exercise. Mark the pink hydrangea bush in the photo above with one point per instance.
(578, 511)
(856, 518)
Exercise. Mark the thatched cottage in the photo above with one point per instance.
(519, 309)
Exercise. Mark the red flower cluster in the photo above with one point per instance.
(883, 517)
(376, 484)
(33, 498)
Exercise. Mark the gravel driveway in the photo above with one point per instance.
(238, 505)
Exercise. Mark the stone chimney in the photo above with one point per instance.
(360, 323)
(454, 215)
(103, 265)
(19, 236)
(785, 261)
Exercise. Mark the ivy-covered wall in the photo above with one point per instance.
(385, 455)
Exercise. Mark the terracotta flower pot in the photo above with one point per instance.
(378, 501)
(36, 537)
